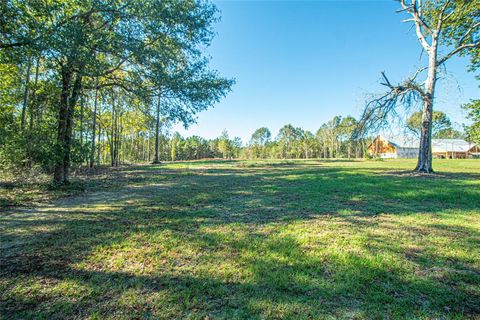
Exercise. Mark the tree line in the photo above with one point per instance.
(334, 139)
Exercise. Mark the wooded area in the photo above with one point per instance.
(80, 78)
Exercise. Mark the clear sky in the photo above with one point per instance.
(303, 62)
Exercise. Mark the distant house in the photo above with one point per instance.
(405, 148)
(388, 148)
(454, 149)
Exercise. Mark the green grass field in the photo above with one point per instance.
(250, 240)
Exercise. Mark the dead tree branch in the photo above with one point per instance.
(420, 25)
(378, 110)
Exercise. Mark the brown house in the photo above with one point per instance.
(382, 147)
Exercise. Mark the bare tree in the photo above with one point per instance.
(436, 22)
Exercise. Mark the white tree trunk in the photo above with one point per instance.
(424, 163)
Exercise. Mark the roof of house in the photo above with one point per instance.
(451, 145)
(404, 142)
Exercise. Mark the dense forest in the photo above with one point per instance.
(83, 81)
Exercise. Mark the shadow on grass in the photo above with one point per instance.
(216, 242)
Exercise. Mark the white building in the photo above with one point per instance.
(454, 148)
(405, 147)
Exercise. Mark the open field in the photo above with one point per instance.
(246, 240)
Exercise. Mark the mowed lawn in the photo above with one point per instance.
(251, 240)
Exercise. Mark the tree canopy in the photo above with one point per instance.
(441, 129)
(138, 50)
(473, 131)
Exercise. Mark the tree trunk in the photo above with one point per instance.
(336, 149)
(157, 132)
(112, 135)
(62, 124)
(143, 149)
(118, 149)
(99, 150)
(68, 100)
(34, 92)
(148, 147)
(424, 163)
(68, 138)
(32, 111)
(25, 96)
(92, 151)
(326, 150)
(82, 107)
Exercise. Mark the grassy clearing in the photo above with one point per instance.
(244, 239)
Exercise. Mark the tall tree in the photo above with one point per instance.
(308, 144)
(322, 139)
(453, 26)
(346, 129)
(156, 158)
(288, 137)
(94, 125)
(224, 144)
(259, 140)
(473, 131)
(333, 134)
(115, 41)
(440, 123)
(187, 88)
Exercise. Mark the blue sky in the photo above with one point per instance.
(303, 62)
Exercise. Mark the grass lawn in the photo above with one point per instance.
(248, 240)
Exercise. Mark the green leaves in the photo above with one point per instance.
(460, 26)
(137, 49)
(441, 125)
(473, 131)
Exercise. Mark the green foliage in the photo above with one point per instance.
(334, 139)
(461, 28)
(288, 139)
(473, 131)
(112, 57)
(226, 146)
(259, 142)
(441, 126)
